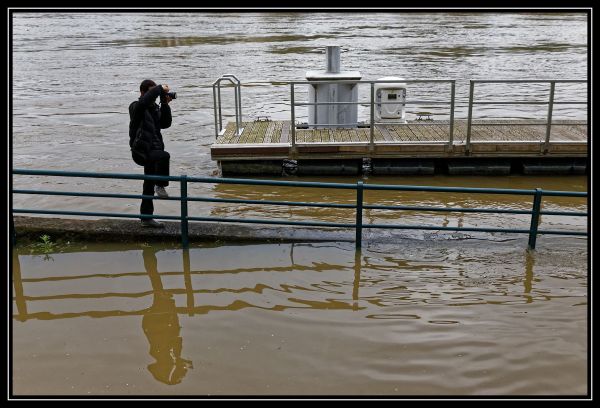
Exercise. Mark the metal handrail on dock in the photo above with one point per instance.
(551, 102)
(359, 187)
(371, 102)
(216, 86)
(451, 102)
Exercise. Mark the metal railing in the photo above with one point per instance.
(216, 86)
(359, 205)
(371, 103)
(551, 102)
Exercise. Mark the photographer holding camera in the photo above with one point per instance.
(146, 142)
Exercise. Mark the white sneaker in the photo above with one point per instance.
(160, 191)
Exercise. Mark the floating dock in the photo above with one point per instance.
(418, 147)
(335, 141)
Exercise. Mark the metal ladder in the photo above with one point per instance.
(217, 103)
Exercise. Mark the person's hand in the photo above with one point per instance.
(167, 99)
(165, 88)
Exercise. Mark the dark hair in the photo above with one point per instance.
(146, 84)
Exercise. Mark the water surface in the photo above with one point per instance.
(431, 317)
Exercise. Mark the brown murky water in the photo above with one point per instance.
(59, 122)
(414, 313)
(431, 317)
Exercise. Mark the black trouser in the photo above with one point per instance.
(157, 164)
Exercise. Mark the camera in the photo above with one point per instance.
(172, 95)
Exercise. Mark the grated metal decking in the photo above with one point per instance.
(264, 139)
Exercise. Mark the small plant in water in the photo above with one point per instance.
(46, 245)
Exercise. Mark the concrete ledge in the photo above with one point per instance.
(127, 230)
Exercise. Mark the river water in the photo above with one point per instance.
(408, 318)
(74, 75)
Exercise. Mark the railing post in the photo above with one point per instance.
(237, 119)
(219, 98)
(359, 211)
(549, 123)
(239, 92)
(217, 130)
(372, 135)
(293, 118)
(452, 96)
(470, 117)
(535, 217)
(184, 212)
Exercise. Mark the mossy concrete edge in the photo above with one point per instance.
(126, 230)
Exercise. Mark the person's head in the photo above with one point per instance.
(145, 85)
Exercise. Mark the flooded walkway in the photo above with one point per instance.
(409, 318)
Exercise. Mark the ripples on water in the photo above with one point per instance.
(453, 318)
(441, 318)
(74, 75)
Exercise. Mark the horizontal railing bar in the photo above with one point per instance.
(516, 123)
(336, 125)
(107, 195)
(507, 81)
(358, 81)
(555, 232)
(303, 183)
(282, 83)
(448, 189)
(574, 214)
(527, 103)
(95, 214)
(446, 209)
(273, 222)
(366, 103)
(442, 122)
(94, 175)
(269, 202)
(557, 193)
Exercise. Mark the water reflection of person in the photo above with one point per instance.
(161, 327)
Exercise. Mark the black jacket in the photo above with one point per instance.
(146, 121)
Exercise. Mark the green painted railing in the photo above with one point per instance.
(359, 206)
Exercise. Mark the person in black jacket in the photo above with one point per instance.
(146, 142)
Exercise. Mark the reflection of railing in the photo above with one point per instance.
(191, 308)
(359, 187)
(551, 102)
